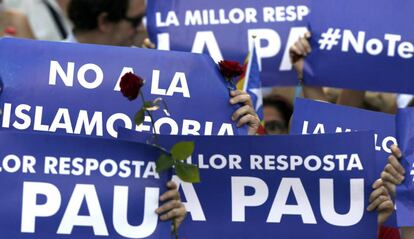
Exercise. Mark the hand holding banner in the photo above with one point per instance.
(332, 118)
(405, 191)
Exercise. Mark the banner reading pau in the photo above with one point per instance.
(364, 45)
(73, 89)
(294, 187)
(226, 30)
(79, 187)
(332, 118)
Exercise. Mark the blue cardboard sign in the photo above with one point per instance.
(375, 53)
(69, 88)
(226, 30)
(78, 187)
(290, 186)
(332, 118)
(405, 191)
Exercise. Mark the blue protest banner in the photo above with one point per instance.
(405, 191)
(331, 118)
(74, 89)
(312, 186)
(78, 187)
(375, 53)
(225, 29)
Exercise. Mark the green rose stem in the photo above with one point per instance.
(155, 142)
(175, 231)
(131, 88)
(155, 133)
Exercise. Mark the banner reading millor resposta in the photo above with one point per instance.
(294, 187)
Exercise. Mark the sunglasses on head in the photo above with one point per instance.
(135, 21)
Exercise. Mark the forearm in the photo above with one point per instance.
(407, 232)
(352, 98)
(314, 93)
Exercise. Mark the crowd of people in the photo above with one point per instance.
(120, 23)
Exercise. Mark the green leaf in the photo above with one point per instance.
(187, 172)
(139, 116)
(147, 104)
(182, 150)
(163, 163)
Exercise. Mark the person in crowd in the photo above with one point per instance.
(47, 18)
(277, 112)
(13, 23)
(107, 22)
(117, 23)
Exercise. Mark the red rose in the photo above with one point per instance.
(131, 85)
(231, 69)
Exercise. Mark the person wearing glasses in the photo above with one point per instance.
(277, 112)
(106, 22)
(116, 22)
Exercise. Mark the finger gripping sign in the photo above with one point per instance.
(332, 118)
(74, 89)
(73, 187)
(294, 187)
(405, 191)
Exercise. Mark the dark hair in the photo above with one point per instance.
(84, 13)
(281, 105)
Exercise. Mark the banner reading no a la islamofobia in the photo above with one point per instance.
(73, 89)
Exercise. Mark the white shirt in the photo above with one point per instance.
(71, 39)
(41, 22)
